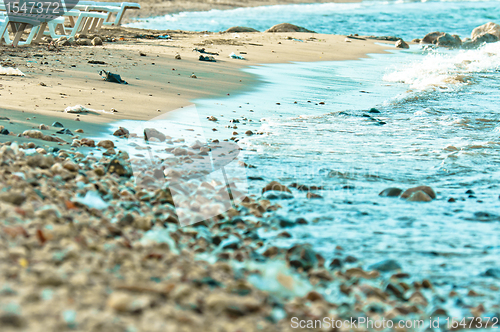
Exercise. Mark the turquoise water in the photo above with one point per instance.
(439, 125)
(405, 19)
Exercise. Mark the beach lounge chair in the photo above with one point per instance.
(110, 8)
(80, 22)
(18, 25)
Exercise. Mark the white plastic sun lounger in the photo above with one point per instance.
(110, 8)
(18, 25)
(80, 22)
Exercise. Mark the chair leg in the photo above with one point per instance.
(41, 30)
(95, 24)
(19, 33)
(3, 32)
(86, 26)
(119, 16)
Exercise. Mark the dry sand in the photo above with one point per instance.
(157, 81)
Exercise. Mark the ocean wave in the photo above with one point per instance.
(443, 70)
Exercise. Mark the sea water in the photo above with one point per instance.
(439, 125)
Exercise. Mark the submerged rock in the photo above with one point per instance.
(385, 265)
(275, 194)
(390, 192)
(275, 186)
(426, 189)
(419, 196)
(492, 272)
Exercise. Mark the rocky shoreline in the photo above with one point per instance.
(80, 237)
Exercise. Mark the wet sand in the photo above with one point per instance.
(157, 81)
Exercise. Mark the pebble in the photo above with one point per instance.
(33, 134)
(43, 127)
(121, 132)
(97, 41)
(106, 144)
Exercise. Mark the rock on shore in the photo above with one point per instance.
(287, 27)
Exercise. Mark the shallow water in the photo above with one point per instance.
(438, 125)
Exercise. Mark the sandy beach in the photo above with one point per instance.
(59, 79)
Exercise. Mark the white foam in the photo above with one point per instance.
(447, 69)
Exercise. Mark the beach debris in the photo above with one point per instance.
(240, 29)
(65, 132)
(80, 131)
(165, 36)
(57, 124)
(211, 118)
(202, 50)
(142, 53)
(8, 71)
(97, 62)
(355, 37)
(193, 76)
(177, 56)
(43, 127)
(207, 58)
(92, 199)
(110, 77)
(81, 109)
(234, 56)
(401, 44)
(287, 27)
(386, 38)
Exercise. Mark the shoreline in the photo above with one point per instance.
(157, 81)
(80, 236)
